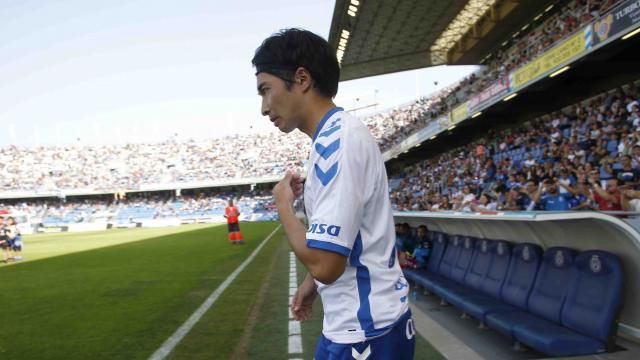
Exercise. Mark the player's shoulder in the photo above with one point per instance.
(341, 130)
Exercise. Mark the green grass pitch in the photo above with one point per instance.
(120, 294)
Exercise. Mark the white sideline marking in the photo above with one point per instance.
(294, 327)
(184, 329)
(295, 330)
(295, 344)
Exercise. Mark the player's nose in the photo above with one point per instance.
(264, 108)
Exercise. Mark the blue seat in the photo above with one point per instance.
(547, 295)
(594, 300)
(426, 279)
(478, 304)
(459, 268)
(443, 273)
(474, 276)
(517, 286)
(412, 274)
(592, 304)
(514, 292)
(437, 251)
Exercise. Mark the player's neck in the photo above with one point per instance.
(316, 111)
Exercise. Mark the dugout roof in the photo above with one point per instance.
(386, 36)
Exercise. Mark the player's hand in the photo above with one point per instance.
(297, 184)
(302, 302)
(288, 189)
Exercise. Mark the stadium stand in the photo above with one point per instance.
(43, 214)
(172, 163)
(597, 138)
(562, 303)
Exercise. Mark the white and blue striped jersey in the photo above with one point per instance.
(346, 198)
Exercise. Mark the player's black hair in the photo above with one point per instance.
(283, 53)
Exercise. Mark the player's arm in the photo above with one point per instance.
(324, 266)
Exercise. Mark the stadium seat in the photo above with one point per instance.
(423, 278)
(517, 287)
(459, 269)
(475, 273)
(547, 295)
(443, 273)
(437, 251)
(559, 304)
(518, 281)
(588, 316)
(478, 304)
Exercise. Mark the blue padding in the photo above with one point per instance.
(474, 276)
(465, 255)
(458, 271)
(595, 296)
(452, 291)
(505, 321)
(550, 288)
(521, 274)
(412, 274)
(497, 272)
(430, 281)
(450, 256)
(439, 247)
(555, 340)
(479, 305)
(479, 264)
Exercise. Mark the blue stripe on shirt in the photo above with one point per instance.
(325, 245)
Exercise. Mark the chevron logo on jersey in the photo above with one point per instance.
(326, 151)
(331, 129)
(325, 177)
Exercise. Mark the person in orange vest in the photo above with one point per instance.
(232, 214)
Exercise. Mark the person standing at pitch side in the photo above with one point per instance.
(348, 248)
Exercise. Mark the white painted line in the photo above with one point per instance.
(295, 344)
(294, 328)
(184, 329)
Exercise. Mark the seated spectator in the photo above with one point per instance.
(626, 173)
(405, 243)
(423, 247)
(484, 205)
(550, 199)
(609, 198)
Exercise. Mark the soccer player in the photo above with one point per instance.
(14, 238)
(232, 214)
(348, 248)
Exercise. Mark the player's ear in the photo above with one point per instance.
(303, 79)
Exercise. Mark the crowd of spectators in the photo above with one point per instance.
(250, 156)
(586, 156)
(127, 167)
(59, 211)
(394, 126)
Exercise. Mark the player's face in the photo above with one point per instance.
(278, 102)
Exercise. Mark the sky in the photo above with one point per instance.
(119, 71)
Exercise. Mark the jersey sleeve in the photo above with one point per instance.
(339, 201)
